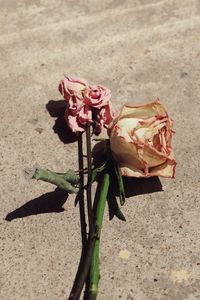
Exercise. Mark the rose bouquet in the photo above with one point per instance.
(139, 144)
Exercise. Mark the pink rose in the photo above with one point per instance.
(98, 96)
(140, 140)
(86, 104)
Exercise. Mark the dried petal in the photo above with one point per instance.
(140, 139)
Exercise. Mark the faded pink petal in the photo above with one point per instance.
(85, 115)
(73, 124)
(73, 86)
(97, 96)
(74, 105)
(102, 117)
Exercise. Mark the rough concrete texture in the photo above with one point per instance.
(141, 50)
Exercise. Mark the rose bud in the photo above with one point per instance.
(140, 141)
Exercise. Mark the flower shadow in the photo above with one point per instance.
(56, 109)
(132, 187)
(140, 186)
(46, 203)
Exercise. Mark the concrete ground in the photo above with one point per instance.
(141, 50)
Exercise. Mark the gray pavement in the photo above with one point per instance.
(141, 50)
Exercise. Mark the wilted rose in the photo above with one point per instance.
(86, 104)
(98, 96)
(140, 140)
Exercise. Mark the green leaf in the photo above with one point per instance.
(102, 167)
(113, 206)
(97, 170)
(54, 178)
(94, 175)
(120, 184)
(119, 214)
(71, 177)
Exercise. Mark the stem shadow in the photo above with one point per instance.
(46, 203)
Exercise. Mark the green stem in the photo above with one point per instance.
(78, 286)
(94, 269)
(89, 185)
(87, 249)
(84, 268)
(81, 190)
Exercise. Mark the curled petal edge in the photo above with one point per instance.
(166, 170)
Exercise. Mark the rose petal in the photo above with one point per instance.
(125, 153)
(165, 170)
(144, 111)
(73, 124)
(140, 111)
(97, 96)
(75, 84)
(132, 172)
(126, 127)
(72, 86)
(85, 115)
